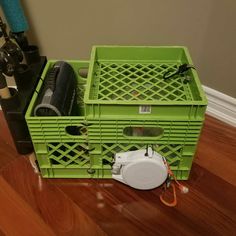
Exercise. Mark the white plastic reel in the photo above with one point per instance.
(142, 169)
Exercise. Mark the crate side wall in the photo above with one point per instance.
(162, 112)
(133, 53)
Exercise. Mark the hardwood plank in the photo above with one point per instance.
(90, 196)
(2, 233)
(219, 192)
(217, 149)
(54, 207)
(5, 136)
(16, 217)
(100, 207)
(143, 209)
(7, 154)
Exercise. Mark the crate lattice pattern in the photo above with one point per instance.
(138, 81)
(67, 154)
(171, 152)
(80, 93)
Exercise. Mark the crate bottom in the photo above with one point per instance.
(181, 174)
(75, 173)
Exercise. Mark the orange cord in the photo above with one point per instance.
(169, 204)
(182, 188)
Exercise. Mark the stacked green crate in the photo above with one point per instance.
(124, 93)
(127, 95)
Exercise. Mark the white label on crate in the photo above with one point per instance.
(145, 109)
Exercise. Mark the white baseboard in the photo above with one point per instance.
(221, 106)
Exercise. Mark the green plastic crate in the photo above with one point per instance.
(127, 82)
(60, 154)
(102, 121)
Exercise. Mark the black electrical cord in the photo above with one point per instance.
(180, 70)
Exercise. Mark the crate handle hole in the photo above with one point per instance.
(83, 72)
(154, 132)
(76, 130)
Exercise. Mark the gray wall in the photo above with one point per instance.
(68, 29)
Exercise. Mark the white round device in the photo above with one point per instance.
(139, 170)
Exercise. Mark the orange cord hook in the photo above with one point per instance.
(181, 187)
(169, 204)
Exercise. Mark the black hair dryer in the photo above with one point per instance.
(58, 95)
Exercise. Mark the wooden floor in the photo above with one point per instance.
(30, 205)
